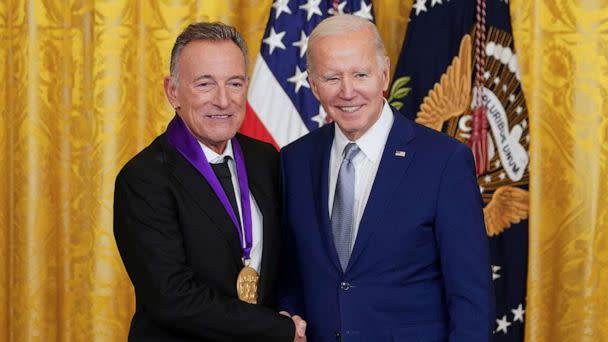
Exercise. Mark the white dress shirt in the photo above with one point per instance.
(366, 162)
(256, 214)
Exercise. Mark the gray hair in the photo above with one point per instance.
(215, 31)
(344, 23)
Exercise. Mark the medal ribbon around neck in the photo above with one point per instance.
(180, 137)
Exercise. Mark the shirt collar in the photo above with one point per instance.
(372, 142)
(215, 158)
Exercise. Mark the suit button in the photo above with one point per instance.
(344, 286)
(338, 336)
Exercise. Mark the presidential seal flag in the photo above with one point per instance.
(281, 106)
(458, 73)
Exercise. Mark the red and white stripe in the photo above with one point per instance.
(271, 116)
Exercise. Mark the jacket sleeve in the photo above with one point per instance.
(150, 242)
(464, 250)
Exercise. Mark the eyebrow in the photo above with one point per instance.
(329, 74)
(202, 77)
(237, 77)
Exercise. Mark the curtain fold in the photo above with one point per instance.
(564, 59)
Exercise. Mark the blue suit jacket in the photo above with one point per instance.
(420, 266)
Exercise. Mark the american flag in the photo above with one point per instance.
(281, 106)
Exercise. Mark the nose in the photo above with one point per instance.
(347, 90)
(221, 98)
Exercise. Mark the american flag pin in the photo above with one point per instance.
(399, 153)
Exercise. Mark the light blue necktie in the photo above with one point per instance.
(343, 211)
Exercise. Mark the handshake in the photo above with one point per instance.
(300, 326)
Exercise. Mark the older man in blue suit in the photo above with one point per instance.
(383, 227)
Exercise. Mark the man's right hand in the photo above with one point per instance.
(300, 325)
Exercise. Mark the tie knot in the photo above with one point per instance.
(222, 170)
(350, 151)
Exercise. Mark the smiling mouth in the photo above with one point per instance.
(350, 109)
(219, 116)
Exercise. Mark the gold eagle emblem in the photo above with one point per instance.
(508, 206)
(452, 95)
(450, 99)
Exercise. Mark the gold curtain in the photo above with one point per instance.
(563, 49)
(81, 93)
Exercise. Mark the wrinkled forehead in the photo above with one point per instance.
(333, 37)
(212, 57)
(343, 52)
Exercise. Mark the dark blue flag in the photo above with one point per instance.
(433, 84)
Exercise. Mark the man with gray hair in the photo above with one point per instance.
(196, 213)
(384, 236)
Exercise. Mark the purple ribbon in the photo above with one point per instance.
(180, 137)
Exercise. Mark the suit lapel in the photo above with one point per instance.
(320, 178)
(392, 168)
(202, 194)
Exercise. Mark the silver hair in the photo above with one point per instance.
(345, 23)
(207, 32)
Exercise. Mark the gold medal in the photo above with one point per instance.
(247, 285)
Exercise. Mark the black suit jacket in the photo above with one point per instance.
(182, 253)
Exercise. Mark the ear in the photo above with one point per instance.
(171, 92)
(385, 73)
